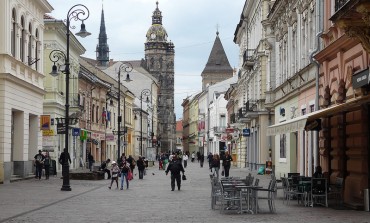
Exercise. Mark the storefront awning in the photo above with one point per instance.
(304, 121)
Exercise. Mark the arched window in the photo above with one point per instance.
(21, 40)
(13, 32)
(36, 48)
(29, 43)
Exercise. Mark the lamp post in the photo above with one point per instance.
(127, 67)
(147, 93)
(77, 12)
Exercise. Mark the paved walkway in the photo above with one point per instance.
(148, 200)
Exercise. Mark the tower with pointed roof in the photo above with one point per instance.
(102, 49)
(218, 67)
(159, 61)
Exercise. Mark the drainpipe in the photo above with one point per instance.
(319, 23)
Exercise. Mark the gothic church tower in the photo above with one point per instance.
(159, 58)
(218, 67)
(102, 49)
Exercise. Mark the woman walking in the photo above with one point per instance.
(141, 167)
(227, 163)
(216, 164)
(125, 168)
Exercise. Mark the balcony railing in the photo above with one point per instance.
(248, 58)
(219, 129)
(339, 4)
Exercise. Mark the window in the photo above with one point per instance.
(97, 114)
(13, 32)
(92, 113)
(222, 120)
(30, 43)
(283, 146)
(37, 49)
(21, 40)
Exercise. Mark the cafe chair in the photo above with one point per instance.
(269, 195)
(229, 197)
(319, 191)
(215, 192)
(292, 192)
(335, 190)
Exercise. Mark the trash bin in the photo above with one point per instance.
(366, 200)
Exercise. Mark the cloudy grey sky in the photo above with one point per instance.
(191, 25)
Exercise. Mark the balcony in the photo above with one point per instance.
(248, 61)
(219, 129)
(352, 16)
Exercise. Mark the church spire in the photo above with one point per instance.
(157, 16)
(102, 49)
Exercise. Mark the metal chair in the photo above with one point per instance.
(336, 190)
(319, 191)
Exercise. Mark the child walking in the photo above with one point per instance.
(115, 171)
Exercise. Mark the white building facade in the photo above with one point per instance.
(21, 83)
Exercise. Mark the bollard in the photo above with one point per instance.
(366, 199)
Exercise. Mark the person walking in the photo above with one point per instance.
(175, 167)
(47, 162)
(125, 168)
(216, 164)
(115, 171)
(226, 163)
(132, 163)
(210, 158)
(141, 167)
(91, 160)
(103, 167)
(38, 162)
(185, 159)
(193, 157)
(201, 160)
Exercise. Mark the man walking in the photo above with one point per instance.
(175, 167)
(39, 160)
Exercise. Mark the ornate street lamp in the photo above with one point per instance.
(77, 12)
(147, 93)
(126, 67)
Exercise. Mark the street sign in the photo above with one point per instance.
(76, 132)
(61, 128)
(246, 132)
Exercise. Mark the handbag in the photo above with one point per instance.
(183, 177)
(129, 175)
(222, 173)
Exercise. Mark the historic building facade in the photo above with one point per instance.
(343, 96)
(292, 26)
(55, 88)
(253, 82)
(21, 83)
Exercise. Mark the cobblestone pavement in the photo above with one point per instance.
(147, 200)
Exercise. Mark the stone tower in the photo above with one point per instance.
(159, 58)
(218, 67)
(102, 49)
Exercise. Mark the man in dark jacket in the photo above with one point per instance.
(103, 167)
(175, 167)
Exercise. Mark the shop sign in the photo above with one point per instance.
(360, 79)
(49, 132)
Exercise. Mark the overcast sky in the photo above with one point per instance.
(191, 25)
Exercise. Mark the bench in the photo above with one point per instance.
(93, 175)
